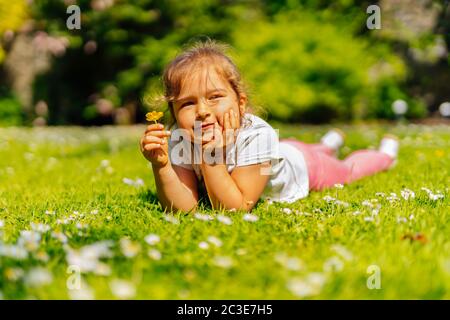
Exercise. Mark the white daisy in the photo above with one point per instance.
(42, 256)
(223, 262)
(152, 239)
(426, 190)
(104, 163)
(154, 254)
(311, 285)
(60, 236)
(215, 241)
(329, 198)
(333, 264)
(290, 263)
(14, 274)
(102, 269)
(203, 245)
(84, 292)
(342, 251)
(401, 219)
(29, 239)
(171, 219)
(88, 257)
(134, 183)
(14, 252)
(367, 203)
(38, 276)
(122, 289)
(80, 226)
(39, 227)
(203, 217)
(129, 248)
(250, 217)
(407, 194)
(435, 197)
(342, 203)
(224, 219)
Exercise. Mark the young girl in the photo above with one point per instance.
(212, 120)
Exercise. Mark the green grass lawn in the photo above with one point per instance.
(66, 187)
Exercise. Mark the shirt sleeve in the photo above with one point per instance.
(260, 144)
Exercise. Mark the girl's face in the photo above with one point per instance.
(205, 97)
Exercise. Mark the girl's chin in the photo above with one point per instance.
(208, 136)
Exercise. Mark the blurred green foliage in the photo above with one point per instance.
(318, 71)
(10, 109)
(12, 16)
(118, 53)
(307, 60)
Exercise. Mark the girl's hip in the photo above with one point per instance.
(311, 158)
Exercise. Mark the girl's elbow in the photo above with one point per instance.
(246, 205)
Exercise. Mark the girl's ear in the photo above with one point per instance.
(242, 104)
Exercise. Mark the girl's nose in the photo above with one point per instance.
(203, 109)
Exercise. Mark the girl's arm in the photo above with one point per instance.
(176, 187)
(240, 190)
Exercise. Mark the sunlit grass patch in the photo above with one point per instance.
(79, 218)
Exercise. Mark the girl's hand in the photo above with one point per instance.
(154, 145)
(225, 135)
(231, 125)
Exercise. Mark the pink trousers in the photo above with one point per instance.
(325, 170)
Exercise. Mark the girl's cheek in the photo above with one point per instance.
(219, 116)
(221, 111)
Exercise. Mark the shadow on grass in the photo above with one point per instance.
(150, 198)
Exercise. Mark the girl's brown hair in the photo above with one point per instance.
(202, 54)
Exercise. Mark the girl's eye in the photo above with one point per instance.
(216, 96)
(188, 103)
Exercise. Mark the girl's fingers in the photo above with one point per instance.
(152, 146)
(224, 121)
(158, 133)
(227, 124)
(234, 120)
(153, 139)
(228, 129)
(154, 126)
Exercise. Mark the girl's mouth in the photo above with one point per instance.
(207, 126)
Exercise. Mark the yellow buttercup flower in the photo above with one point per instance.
(154, 116)
(439, 153)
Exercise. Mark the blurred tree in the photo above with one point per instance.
(308, 59)
(119, 53)
(319, 71)
(12, 16)
(419, 32)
